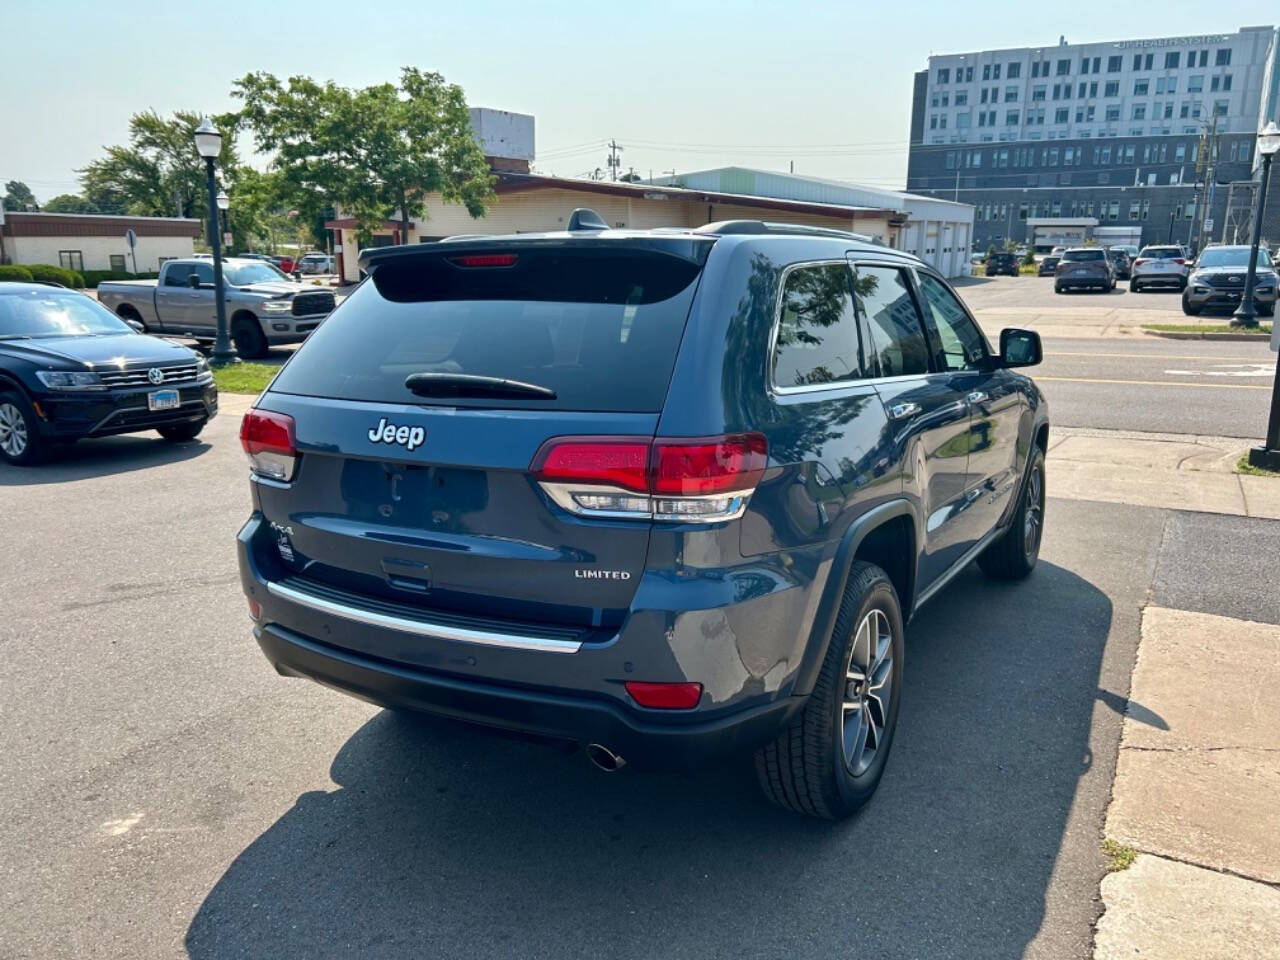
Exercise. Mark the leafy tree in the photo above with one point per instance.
(70, 203)
(1029, 258)
(18, 196)
(991, 250)
(372, 150)
(159, 173)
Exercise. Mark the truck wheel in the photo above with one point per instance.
(1014, 554)
(1134, 286)
(182, 432)
(249, 339)
(829, 760)
(20, 440)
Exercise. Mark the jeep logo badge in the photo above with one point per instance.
(408, 437)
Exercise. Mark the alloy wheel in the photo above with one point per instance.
(1033, 522)
(864, 713)
(13, 430)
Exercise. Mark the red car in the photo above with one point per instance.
(284, 263)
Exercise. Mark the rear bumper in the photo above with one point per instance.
(1174, 281)
(515, 682)
(555, 716)
(1065, 283)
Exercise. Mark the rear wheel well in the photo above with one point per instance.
(892, 547)
(128, 312)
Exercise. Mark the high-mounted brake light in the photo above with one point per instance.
(700, 479)
(268, 440)
(485, 260)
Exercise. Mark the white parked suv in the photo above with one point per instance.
(1164, 266)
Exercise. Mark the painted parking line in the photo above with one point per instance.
(1158, 383)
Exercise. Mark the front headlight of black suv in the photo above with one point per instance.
(70, 381)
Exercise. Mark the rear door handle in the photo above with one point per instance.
(978, 397)
(900, 411)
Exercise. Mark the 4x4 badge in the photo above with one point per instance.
(407, 437)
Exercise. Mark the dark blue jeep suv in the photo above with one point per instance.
(668, 494)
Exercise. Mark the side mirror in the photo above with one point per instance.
(193, 281)
(1020, 348)
(137, 327)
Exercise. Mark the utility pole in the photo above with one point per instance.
(614, 161)
(1206, 167)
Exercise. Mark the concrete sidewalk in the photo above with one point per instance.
(1172, 471)
(1086, 322)
(1195, 794)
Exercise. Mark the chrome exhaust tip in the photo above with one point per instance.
(604, 758)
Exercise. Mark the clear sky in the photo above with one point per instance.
(680, 85)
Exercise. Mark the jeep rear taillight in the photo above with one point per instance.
(268, 440)
(700, 479)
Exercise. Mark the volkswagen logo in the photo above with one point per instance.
(155, 375)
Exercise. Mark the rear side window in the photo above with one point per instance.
(600, 329)
(1078, 256)
(817, 330)
(897, 334)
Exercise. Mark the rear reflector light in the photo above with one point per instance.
(485, 260)
(665, 696)
(702, 479)
(268, 440)
(255, 608)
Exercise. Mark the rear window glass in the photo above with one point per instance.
(1162, 253)
(817, 330)
(1075, 256)
(599, 329)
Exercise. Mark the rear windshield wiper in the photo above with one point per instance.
(473, 385)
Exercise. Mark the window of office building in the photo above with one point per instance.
(1113, 210)
(962, 98)
(1037, 92)
(1172, 60)
(1129, 151)
(1015, 71)
(1168, 111)
(1139, 111)
(1060, 115)
(995, 71)
(1180, 153)
(1112, 89)
(1215, 83)
(1146, 208)
(983, 95)
(1011, 118)
(1010, 94)
(1113, 113)
(1081, 89)
(1064, 68)
(1223, 58)
(1172, 86)
(1053, 156)
(946, 100)
(944, 74)
(1226, 81)
(1141, 87)
(1115, 64)
(1134, 207)
(1220, 108)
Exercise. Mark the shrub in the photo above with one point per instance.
(12, 271)
(94, 277)
(50, 274)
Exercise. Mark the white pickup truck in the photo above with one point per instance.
(264, 307)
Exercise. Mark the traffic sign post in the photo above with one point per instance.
(132, 239)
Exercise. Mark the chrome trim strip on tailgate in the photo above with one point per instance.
(438, 631)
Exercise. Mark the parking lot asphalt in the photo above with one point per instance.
(166, 794)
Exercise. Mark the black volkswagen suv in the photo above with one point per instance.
(70, 369)
(668, 494)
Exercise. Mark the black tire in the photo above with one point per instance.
(807, 768)
(1188, 308)
(1265, 309)
(1015, 553)
(1056, 288)
(1135, 287)
(20, 440)
(1182, 284)
(182, 432)
(250, 341)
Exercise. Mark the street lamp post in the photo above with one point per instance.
(224, 204)
(1268, 143)
(208, 145)
(1268, 455)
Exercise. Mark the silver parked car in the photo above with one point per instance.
(1219, 276)
(1084, 268)
(1163, 266)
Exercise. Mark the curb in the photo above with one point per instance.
(1243, 337)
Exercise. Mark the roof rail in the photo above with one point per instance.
(584, 218)
(728, 227)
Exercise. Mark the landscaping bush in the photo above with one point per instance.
(94, 277)
(50, 274)
(11, 271)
